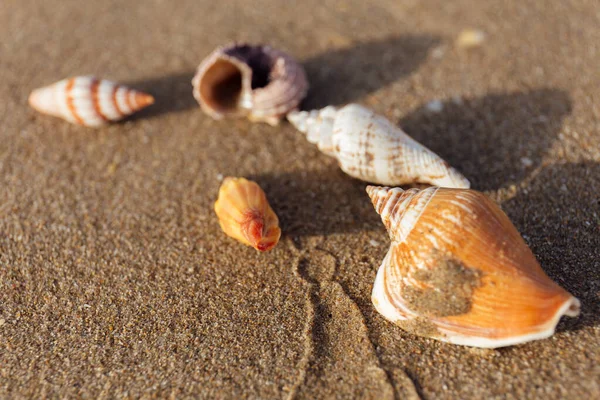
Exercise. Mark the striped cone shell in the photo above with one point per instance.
(259, 82)
(371, 148)
(88, 101)
(458, 271)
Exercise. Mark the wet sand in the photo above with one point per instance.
(116, 281)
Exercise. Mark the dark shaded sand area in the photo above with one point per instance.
(116, 281)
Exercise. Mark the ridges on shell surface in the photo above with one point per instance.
(369, 147)
(259, 82)
(88, 101)
(458, 271)
(245, 214)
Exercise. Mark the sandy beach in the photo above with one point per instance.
(117, 282)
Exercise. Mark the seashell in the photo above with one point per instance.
(245, 214)
(88, 101)
(259, 82)
(458, 271)
(470, 38)
(371, 148)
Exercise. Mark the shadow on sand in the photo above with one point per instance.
(344, 75)
(495, 140)
(172, 94)
(319, 202)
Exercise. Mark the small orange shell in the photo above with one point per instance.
(245, 214)
(259, 82)
(459, 271)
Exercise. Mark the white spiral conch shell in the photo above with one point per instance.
(458, 271)
(88, 101)
(369, 147)
(259, 82)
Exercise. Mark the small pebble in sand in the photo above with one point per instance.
(438, 52)
(220, 177)
(373, 243)
(526, 161)
(435, 106)
(457, 100)
(2, 321)
(470, 38)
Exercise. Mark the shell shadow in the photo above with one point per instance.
(495, 140)
(319, 202)
(172, 94)
(559, 217)
(344, 75)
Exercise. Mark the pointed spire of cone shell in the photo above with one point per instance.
(459, 271)
(395, 205)
(369, 147)
(88, 101)
(259, 82)
(245, 214)
(318, 126)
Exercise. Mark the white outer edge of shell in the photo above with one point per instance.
(390, 312)
(380, 299)
(503, 342)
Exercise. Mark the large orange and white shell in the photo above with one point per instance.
(245, 214)
(259, 82)
(88, 101)
(371, 148)
(458, 271)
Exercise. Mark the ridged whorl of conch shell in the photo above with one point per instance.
(88, 101)
(458, 271)
(245, 214)
(369, 147)
(259, 82)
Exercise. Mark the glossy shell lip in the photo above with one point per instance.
(256, 81)
(386, 308)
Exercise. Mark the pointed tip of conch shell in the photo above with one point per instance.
(395, 204)
(245, 214)
(42, 100)
(143, 100)
(377, 194)
(373, 191)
